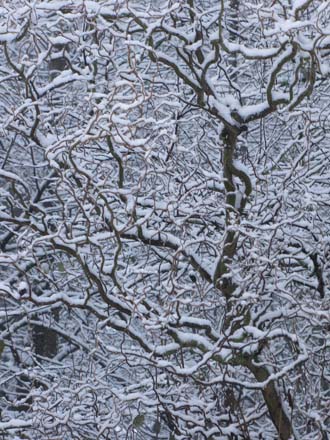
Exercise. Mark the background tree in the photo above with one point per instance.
(165, 196)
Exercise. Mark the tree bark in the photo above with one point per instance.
(224, 282)
(274, 402)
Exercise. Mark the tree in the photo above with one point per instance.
(165, 198)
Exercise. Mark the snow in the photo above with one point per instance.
(113, 251)
(15, 424)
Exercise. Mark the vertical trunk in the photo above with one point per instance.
(274, 403)
(224, 282)
(222, 275)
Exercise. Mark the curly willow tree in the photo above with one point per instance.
(164, 170)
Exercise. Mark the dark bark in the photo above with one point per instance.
(273, 401)
(224, 282)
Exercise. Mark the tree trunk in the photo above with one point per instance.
(274, 402)
(227, 286)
